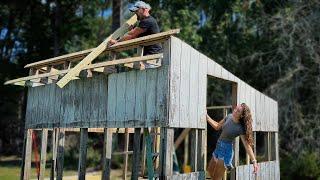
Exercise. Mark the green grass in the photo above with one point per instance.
(10, 168)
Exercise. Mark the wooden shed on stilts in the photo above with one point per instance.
(150, 104)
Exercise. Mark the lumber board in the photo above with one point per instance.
(136, 159)
(106, 156)
(92, 66)
(43, 157)
(76, 56)
(96, 52)
(83, 154)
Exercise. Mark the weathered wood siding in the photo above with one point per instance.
(128, 99)
(267, 171)
(188, 85)
(200, 175)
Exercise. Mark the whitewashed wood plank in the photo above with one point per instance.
(140, 103)
(77, 88)
(175, 67)
(29, 107)
(194, 88)
(130, 95)
(263, 123)
(95, 100)
(103, 92)
(242, 92)
(185, 85)
(210, 67)
(202, 91)
(277, 171)
(253, 106)
(162, 94)
(151, 96)
(252, 176)
(218, 70)
(68, 99)
(277, 116)
(112, 97)
(246, 172)
(257, 107)
(240, 173)
(224, 74)
(121, 99)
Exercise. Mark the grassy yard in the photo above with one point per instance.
(10, 170)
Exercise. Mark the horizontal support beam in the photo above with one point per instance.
(92, 66)
(76, 56)
(219, 107)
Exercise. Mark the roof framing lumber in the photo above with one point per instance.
(150, 39)
(96, 52)
(21, 81)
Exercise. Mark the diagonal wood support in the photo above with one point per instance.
(96, 52)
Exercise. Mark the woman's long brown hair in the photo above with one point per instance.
(246, 121)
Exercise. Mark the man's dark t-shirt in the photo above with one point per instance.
(151, 27)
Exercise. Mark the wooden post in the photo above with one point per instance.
(83, 153)
(166, 153)
(149, 153)
(236, 142)
(44, 143)
(194, 149)
(186, 149)
(236, 158)
(136, 154)
(269, 146)
(60, 153)
(202, 155)
(26, 167)
(143, 159)
(54, 153)
(126, 145)
(107, 151)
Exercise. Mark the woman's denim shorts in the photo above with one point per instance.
(224, 151)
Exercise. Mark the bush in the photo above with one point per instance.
(303, 166)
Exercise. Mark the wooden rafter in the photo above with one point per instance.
(21, 81)
(116, 47)
(96, 52)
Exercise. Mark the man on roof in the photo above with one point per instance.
(147, 26)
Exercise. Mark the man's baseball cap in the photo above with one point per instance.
(139, 4)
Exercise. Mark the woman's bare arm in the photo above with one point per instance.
(216, 125)
(250, 152)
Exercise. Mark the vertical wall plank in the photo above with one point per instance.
(140, 104)
(210, 67)
(184, 85)
(130, 95)
(194, 90)
(112, 94)
(224, 73)
(162, 95)
(43, 157)
(107, 151)
(218, 70)
(151, 96)
(174, 115)
(202, 92)
(103, 92)
(83, 153)
(121, 101)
